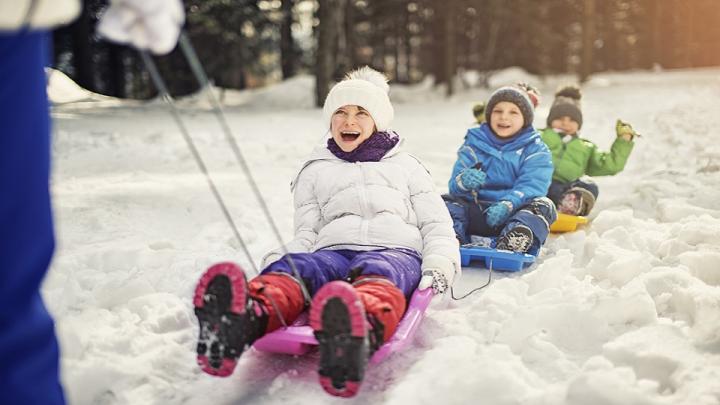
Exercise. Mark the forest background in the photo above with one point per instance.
(253, 43)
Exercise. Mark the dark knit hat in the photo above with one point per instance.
(523, 95)
(566, 104)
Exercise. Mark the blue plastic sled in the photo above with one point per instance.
(501, 260)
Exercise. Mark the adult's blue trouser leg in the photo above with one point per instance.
(28, 346)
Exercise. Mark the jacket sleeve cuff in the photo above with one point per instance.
(512, 201)
(270, 258)
(459, 182)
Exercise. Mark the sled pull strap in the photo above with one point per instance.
(490, 267)
(189, 51)
(162, 88)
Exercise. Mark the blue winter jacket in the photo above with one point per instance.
(517, 171)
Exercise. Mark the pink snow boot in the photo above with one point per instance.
(229, 319)
(338, 318)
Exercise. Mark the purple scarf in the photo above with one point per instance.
(371, 150)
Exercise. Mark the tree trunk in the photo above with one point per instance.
(543, 38)
(588, 32)
(330, 15)
(352, 61)
(407, 42)
(653, 54)
(448, 50)
(116, 71)
(287, 48)
(81, 50)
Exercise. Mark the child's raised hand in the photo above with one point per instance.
(498, 213)
(625, 130)
(472, 178)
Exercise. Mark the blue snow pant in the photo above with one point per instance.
(401, 266)
(558, 189)
(28, 347)
(469, 219)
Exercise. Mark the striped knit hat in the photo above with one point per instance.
(523, 95)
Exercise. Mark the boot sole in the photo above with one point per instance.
(219, 300)
(517, 232)
(338, 318)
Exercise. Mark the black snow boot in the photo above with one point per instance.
(229, 319)
(518, 239)
(338, 318)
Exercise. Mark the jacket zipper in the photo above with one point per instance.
(364, 223)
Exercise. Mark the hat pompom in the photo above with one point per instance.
(532, 92)
(370, 75)
(570, 91)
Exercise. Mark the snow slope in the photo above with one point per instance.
(625, 311)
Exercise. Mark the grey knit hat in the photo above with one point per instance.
(566, 104)
(523, 95)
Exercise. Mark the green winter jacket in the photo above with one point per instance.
(581, 157)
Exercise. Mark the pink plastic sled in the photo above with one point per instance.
(299, 339)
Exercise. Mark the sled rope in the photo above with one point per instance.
(452, 291)
(165, 95)
(197, 69)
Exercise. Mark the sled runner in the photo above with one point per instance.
(502, 260)
(298, 338)
(567, 223)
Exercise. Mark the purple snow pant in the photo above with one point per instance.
(401, 266)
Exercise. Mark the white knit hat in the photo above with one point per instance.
(366, 88)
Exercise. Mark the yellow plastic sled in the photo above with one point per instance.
(567, 223)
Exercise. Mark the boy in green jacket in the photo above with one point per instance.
(576, 158)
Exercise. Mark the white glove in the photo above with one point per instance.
(37, 14)
(438, 272)
(434, 279)
(145, 24)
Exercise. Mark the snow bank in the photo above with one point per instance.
(61, 89)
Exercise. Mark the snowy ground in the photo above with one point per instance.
(625, 311)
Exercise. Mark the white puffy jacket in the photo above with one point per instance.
(37, 13)
(370, 205)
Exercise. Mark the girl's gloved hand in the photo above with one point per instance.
(472, 178)
(438, 272)
(434, 279)
(498, 213)
(145, 24)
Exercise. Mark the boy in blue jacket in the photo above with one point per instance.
(502, 174)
